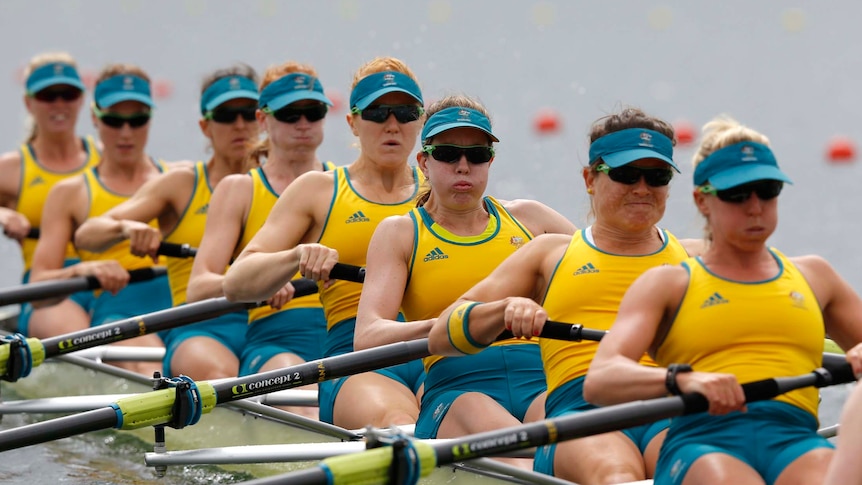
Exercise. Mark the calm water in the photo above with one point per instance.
(789, 72)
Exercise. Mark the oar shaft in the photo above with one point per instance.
(58, 428)
(140, 325)
(321, 370)
(54, 288)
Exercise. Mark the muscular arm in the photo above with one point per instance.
(841, 306)
(15, 224)
(515, 287)
(225, 220)
(539, 218)
(163, 197)
(272, 257)
(385, 280)
(65, 206)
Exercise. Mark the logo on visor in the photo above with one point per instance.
(58, 69)
(234, 83)
(300, 83)
(128, 83)
(389, 79)
(464, 115)
(748, 154)
(646, 140)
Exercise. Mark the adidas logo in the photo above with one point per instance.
(435, 254)
(357, 217)
(203, 209)
(586, 269)
(36, 181)
(715, 299)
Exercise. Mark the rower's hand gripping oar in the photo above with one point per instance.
(415, 459)
(18, 355)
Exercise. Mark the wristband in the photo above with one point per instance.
(670, 380)
(458, 329)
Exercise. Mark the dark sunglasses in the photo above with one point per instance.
(114, 120)
(292, 114)
(228, 114)
(476, 154)
(51, 95)
(630, 175)
(765, 190)
(404, 113)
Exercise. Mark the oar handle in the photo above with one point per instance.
(573, 332)
(33, 233)
(174, 250)
(54, 288)
(348, 272)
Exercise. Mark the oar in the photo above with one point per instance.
(158, 407)
(20, 355)
(54, 288)
(407, 460)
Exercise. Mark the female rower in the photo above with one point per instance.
(582, 279)
(179, 199)
(121, 113)
(52, 152)
(327, 217)
(741, 312)
(292, 111)
(455, 237)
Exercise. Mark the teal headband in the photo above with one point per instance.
(123, 87)
(225, 89)
(290, 89)
(53, 74)
(456, 117)
(626, 146)
(375, 85)
(738, 164)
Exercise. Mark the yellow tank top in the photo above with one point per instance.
(437, 274)
(587, 287)
(189, 230)
(263, 198)
(102, 199)
(36, 182)
(348, 228)
(755, 331)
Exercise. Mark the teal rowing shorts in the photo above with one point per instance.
(569, 399)
(410, 375)
(512, 375)
(769, 437)
(228, 330)
(133, 300)
(83, 299)
(299, 331)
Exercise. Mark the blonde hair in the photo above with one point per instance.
(720, 132)
(36, 62)
(382, 64)
(260, 149)
(452, 101)
(723, 131)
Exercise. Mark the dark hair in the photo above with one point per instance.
(238, 69)
(452, 101)
(630, 118)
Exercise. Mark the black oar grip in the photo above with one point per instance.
(348, 272)
(143, 274)
(572, 332)
(33, 233)
(303, 287)
(177, 250)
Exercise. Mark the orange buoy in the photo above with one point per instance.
(88, 77)
(336, 98)
(162, 89)
(547, 121)
(685, 133)
(841, 150)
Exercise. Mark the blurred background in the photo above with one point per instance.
(545, 69)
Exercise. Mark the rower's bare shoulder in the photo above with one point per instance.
(671, 279)
(814, 266)
(10, 159)
(694, 247)
(10, 167)
(314, 187)
(180, 165)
